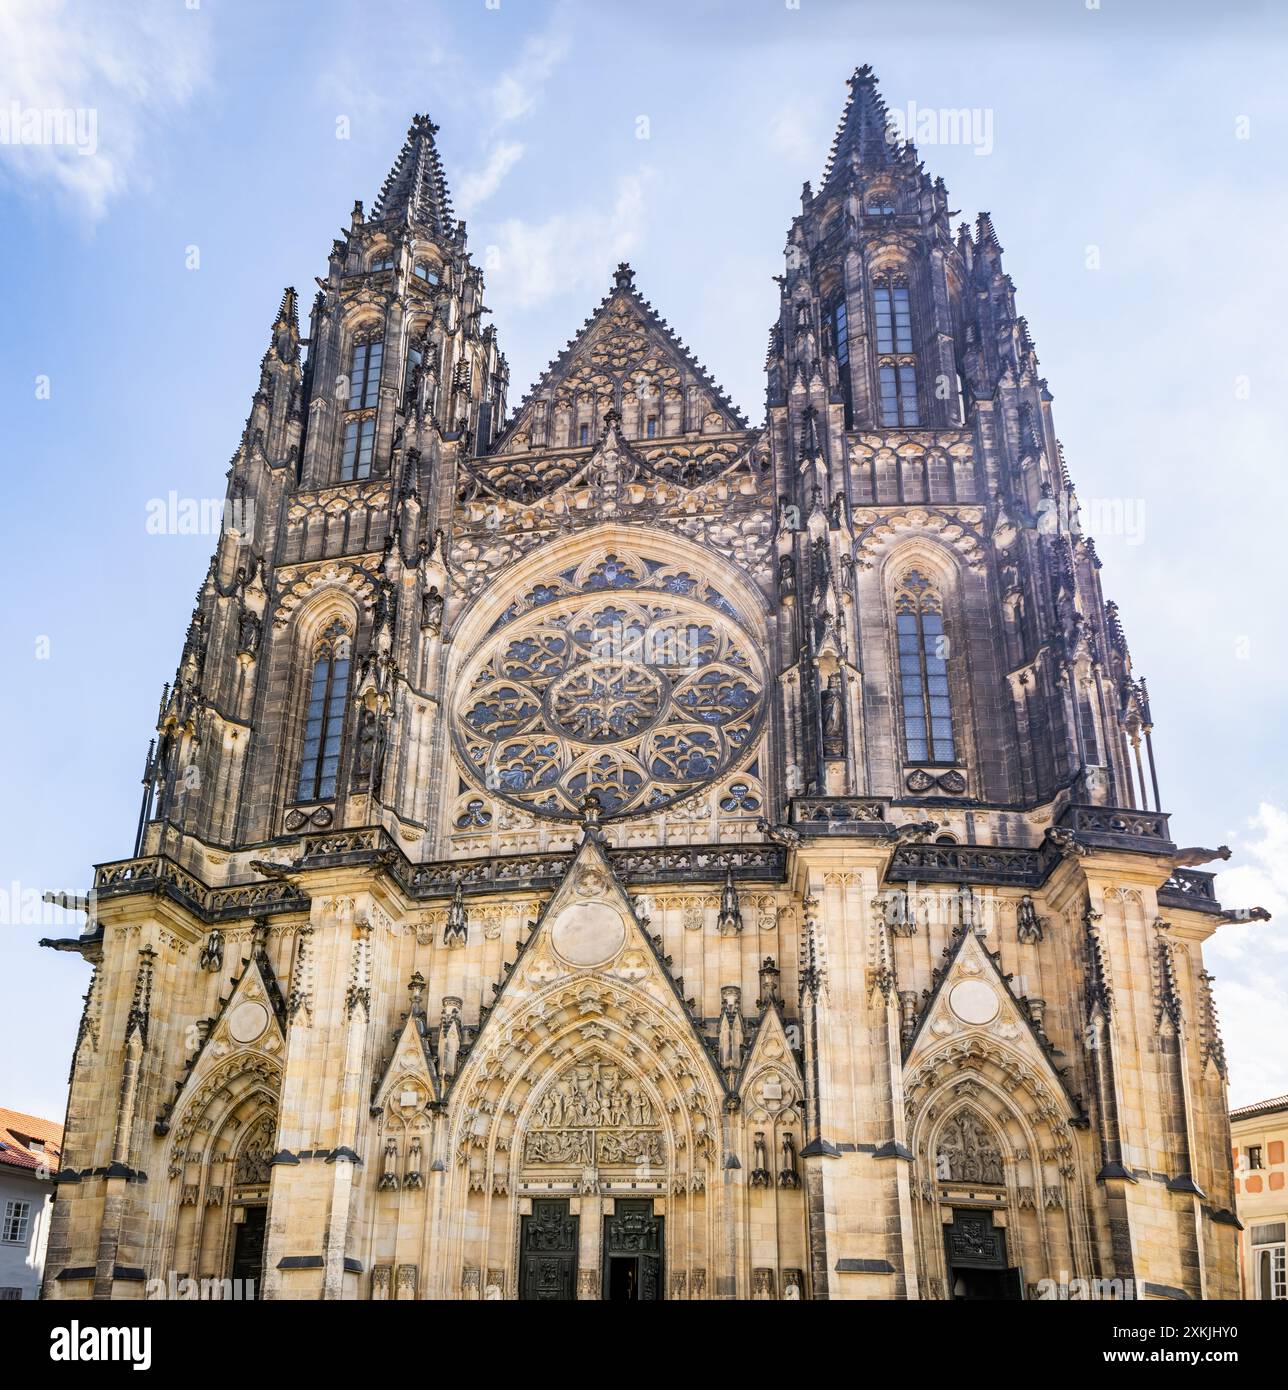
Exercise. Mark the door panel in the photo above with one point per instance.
(548, 1253)
(633, 1247)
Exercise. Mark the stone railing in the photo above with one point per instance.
(1190, 888)
(1118, 827)
(839, 815)
(372, 845)
(998, 864)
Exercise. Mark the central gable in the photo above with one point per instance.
(624, 359)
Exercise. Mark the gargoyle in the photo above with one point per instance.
(913, 832)
(1244, 914)
(1065, 841)
(1195, 855)
(280, 873)
(779, 834)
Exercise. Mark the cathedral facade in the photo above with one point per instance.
(605, 849)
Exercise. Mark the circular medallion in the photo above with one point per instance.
(247, 1021)
(973, 1002)
(588, 934)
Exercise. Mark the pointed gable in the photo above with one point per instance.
(409, 1078)
(771, 1085)
(973, 1004)
(624, 346)
(247, 1033)
(589, 935)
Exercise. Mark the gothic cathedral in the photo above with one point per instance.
(608, 850)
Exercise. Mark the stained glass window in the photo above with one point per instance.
(923, 672)
(324, 718)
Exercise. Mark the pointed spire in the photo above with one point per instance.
(416, 189)
(863, 135)
(285, 342)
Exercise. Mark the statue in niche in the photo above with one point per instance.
(789, 1174)
(833, 712)
(212, 953)
(431, 610)
(786, 576)
(248, 629)
(389, 1178)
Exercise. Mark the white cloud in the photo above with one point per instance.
(511, 97)
(479, 185)
(120, 69)
(1248, 960)
(517, 91)
(531, 263)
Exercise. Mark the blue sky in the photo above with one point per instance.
(1134, 167)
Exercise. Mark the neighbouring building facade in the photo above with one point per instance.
(606, 849)
(29, 1154)
(1259, 1134)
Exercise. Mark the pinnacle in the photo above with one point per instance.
(416, 187)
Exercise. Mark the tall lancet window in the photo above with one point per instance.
(923, 672)
(896, 365)
(359, 436)
(841, 339)
(324, 719)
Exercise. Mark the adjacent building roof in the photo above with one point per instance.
(1260, 1107)
(27, 1141)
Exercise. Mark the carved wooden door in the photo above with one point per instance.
(248, 1250)
(548, 1252)
(633, 1252)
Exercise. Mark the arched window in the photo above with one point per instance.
(923, 672)
(896, 366)
(324, 719)
(426, 272)
(382, 260)
(359, 448)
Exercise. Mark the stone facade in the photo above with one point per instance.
(611, 850)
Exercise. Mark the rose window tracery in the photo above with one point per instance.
(625, 676)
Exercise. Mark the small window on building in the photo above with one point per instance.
(1269, 1267)
(17, 1223)
(650, 427)
(1255, 1159)
(383, 261)
(583, 434)
(426, 272)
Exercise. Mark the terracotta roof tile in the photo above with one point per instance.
(16, 1133)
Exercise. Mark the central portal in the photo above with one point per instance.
(633, 1253)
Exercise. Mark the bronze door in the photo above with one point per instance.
(633, 1253)
(548, 1252)
(248, 1248)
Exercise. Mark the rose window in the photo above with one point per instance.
(641, 697)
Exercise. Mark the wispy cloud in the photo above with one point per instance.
(513, 96)
(1250, 992)
(518, 90)
(479, 184)
(533, 262)
(119, 70)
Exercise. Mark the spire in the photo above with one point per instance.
(286, 328)
(416, 189)
(863, 137)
